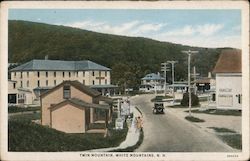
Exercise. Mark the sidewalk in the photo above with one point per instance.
(131, 139)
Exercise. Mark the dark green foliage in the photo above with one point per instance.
(222, 130)
(13, 109)
(129, 57)
(234, 140)
(27, 136)
(194, 100)
(194, 119)
(160, 98)
(219, 112)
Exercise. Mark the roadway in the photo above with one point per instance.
(168, 133)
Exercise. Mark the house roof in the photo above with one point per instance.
(152, 76)
(228, 62)
(59, 65)
(106, 99)
(76, 84)
(79, 103)
(103, 86)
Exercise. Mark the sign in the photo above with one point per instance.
(225, 90)
(125, 109)
(119, 123)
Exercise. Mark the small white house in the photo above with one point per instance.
(152, 82)
(229, 80)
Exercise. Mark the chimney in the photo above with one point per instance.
(46, 57)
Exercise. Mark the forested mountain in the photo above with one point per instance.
(129, 57)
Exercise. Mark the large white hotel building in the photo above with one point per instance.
(29, 80)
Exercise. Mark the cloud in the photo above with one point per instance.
(204, 41)
(204, 35)
(209, 29)
(188, 30)
(131, 28)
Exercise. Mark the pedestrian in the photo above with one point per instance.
(138, 124)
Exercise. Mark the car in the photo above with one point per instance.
(158, 108)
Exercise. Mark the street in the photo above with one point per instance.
(168, 133)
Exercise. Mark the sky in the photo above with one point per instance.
(203, 28)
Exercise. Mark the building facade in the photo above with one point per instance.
(72, 107)
(229, 80)
(152, 82)
(38, 76)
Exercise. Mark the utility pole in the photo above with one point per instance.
(172, 63)
(164, 68)
(194, 76)
(189, 52)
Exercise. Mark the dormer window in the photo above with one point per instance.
(66, 91)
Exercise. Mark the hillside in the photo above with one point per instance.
(129, 57)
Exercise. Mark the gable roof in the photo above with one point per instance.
(228, 62)
(59, 65)
(76, 84)
(79, 103)
(152, 76)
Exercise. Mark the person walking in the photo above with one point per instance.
(138, 124)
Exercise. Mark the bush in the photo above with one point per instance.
(194, 100)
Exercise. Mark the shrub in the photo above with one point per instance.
(194, 100)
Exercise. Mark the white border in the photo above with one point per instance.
(243, 5)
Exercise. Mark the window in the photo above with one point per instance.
(47, 82)
(105, 73)
(69, 74)
(77, 74)
(27, 83)
(21, 84)
(38, 74)
(83, 82)
(14, 85)
(93, 82)
(14, 74)
(83, 74)
(106, 81)
(38, 83)
(93, 73)
(46, 73)
(55, 82)
(100, 73)
(54, 74)
(27, 74)
(66, 91)
(63, 74)
(21, 76)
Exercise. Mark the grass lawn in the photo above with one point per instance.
(193, 119)
(27, 136)
(25, 117)
(180, 106)
(13, 109)
(222, 130)
(219, 112)
(160, 98)
(233, 140)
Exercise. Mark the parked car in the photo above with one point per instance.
(158, 108)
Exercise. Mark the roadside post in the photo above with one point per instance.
(189, 52)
